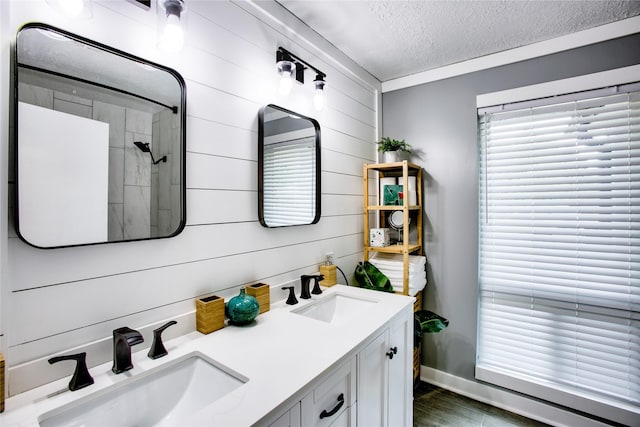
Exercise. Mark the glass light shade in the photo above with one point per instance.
(318, 100)
(286, 69)
(285, 66)
(172, 35)
(286, 83)
(318, 96)
(171, 24)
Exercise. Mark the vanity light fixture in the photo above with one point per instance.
(291, 66)
(171, 24)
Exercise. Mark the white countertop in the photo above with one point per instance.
(280, 353)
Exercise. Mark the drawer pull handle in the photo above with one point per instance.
(325, 414)
(393, 350)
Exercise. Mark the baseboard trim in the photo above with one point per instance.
(506, 400)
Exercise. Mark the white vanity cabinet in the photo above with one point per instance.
(373, 388)
(331, 401)
(385, 376)
(353, 369)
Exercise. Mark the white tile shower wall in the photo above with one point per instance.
(65, 298)
(168, 173)
(129, 168)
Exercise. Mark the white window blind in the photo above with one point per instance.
(289, 182)
(559, 256)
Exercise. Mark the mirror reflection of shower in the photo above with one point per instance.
(144, 147)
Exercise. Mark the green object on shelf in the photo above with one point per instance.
(392, 195)
(369, 277)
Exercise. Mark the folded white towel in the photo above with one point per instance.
(392, 266)
(399, 269)
(392, 259)
(399, 276)
(413, 288)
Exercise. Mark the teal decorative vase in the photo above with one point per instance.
(242, 309)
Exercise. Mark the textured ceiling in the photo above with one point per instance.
(393, 39)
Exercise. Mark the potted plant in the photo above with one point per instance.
(393, 149)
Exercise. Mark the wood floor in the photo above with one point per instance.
(435, 406)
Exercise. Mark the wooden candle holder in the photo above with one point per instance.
(262, 293)
(209, 314)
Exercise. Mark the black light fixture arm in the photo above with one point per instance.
(284, 54)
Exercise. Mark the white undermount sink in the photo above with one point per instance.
(162, 396)
(335, 308)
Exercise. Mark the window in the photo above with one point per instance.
(559, 255)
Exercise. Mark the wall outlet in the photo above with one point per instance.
(329, 258)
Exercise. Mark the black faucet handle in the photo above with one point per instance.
(81, 377)
(157, 348)
(292, 295)
(316, 287)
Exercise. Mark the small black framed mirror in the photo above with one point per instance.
(99, 146)
(288, 168)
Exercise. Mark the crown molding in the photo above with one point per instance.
(601, 33)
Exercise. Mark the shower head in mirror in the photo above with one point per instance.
(144, 147)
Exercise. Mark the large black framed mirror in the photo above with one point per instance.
(288, 168)
(99, 143)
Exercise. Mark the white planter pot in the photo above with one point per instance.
(395, 156)
(389, 156)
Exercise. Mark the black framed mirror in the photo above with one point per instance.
(99, 142)
(288, 168)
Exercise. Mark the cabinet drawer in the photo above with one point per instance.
(332, 397)
(346, 419)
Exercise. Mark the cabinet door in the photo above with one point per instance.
(373, 372)
(291, 418)
(401, 372)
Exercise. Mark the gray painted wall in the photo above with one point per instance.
(439, 120)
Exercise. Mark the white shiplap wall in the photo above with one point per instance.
(61, 299)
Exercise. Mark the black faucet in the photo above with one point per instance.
(123, 339)
(304, 282)
(81, 376)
